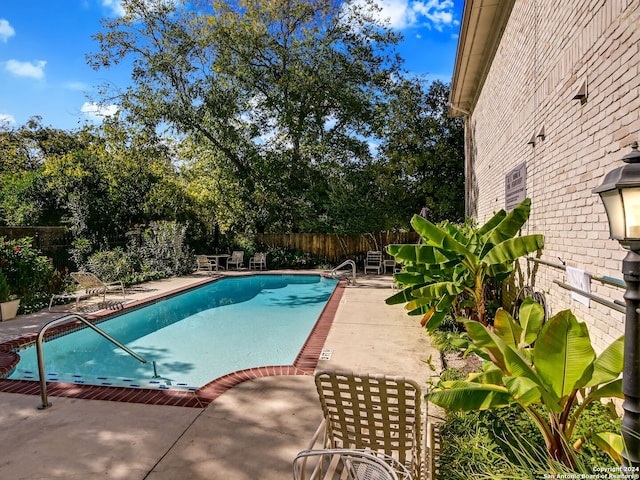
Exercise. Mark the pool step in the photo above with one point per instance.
(146, 383)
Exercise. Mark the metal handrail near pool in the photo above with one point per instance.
(66, 318)
(351, 263)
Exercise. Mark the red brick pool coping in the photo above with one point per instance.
(304, 364)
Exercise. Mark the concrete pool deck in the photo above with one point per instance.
(252, 431)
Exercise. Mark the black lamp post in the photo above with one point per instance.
(620, 193)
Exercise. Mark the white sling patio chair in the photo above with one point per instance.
(258, 261)
(236, 259)
(373, 261)
(206, 264)
(370, 413)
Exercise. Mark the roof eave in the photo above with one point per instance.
(483, 22)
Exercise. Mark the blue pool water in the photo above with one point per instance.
(194, 338)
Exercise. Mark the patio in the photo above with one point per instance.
(251, 431)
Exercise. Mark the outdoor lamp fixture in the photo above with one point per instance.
(620, 193)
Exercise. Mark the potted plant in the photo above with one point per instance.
(8, 303)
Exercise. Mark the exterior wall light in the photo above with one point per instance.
(620, 193)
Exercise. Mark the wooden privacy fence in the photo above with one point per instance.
(336, 248)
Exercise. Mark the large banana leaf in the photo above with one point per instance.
(403, 296)
(438, 289)
(493, 222)
(610, 390)
(467, 396)
(507, 328)
(512, 249)
(457, 234)
(439, 311)
(608, 365)
(490, 374)
(437, 237)
(524, 390)
(531, 317)
(509, 360)
(563, 355)
(610, 443)
(420, 254)
(506, 358)
(510, 224)
(524, 332)
(410, 278)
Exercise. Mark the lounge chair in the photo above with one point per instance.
(91, 286)
(236, 259)
(89, 281)
(373, 261)
(369, 413)
(258, 261)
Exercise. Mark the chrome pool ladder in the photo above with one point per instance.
(57, 321)
(352, 264)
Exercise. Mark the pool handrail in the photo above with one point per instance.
(56, 321)
(352, 264)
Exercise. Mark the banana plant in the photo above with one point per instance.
(452, 263)
(531, 363)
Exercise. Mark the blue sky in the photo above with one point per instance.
(43, 43)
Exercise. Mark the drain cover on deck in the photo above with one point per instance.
(326, 354)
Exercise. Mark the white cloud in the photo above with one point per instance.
(117, 10)
(6, 30)
(96, 111)
(438, 13)
(26, 69)
(78, 86)
(403, 14)
(6, 119)
(115, 6)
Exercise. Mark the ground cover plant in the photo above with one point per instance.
(549, 370)
(505, 444)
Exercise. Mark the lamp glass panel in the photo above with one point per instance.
(615, 214)
(631, 201)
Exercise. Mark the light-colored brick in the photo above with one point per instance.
(576, 41)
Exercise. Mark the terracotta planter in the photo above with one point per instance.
(9, 310)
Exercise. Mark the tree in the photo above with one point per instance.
(273, 89)
(24, 196)
(425, 148)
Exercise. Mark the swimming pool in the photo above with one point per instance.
(193, 338)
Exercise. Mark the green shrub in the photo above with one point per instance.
(160, 252)
(112, 265)
(29, 274)
(283, 257)
(4, 288)
(164, 250)
(453, 374)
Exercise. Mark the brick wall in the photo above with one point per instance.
(548, 49)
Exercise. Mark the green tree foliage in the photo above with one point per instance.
(122, 177)
(424, 148)
(273, 89)
(24, 196)
(281, 116)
